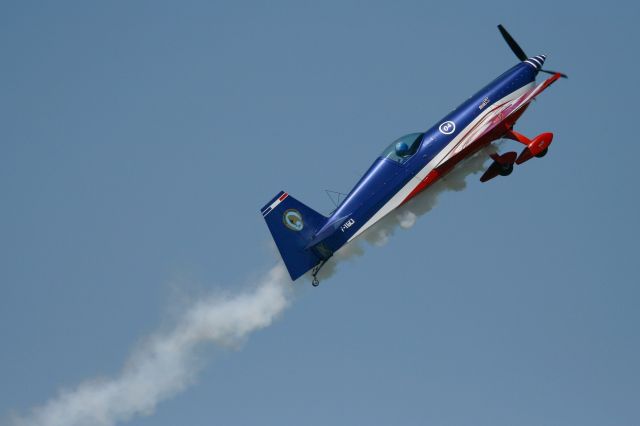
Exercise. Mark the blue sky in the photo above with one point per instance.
(140, 139)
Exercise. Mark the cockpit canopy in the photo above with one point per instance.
(403, 148)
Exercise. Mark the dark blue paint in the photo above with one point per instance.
(383, 180)
(385, 177)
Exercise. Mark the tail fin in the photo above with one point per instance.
(293, 225)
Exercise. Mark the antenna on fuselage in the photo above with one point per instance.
(336, 197)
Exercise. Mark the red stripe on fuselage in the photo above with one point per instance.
(433, 176)
(496, 133)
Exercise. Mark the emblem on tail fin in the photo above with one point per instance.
(292, 219)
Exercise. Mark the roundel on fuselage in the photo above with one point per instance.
(447, 127)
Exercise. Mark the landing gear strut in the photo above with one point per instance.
(314, 272)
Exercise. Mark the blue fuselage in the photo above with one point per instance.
(386, 177)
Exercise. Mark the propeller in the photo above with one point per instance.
(515, 47)
(512, 44)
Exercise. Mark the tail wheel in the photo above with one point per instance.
(542, 153)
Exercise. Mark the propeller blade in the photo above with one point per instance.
(555, 72)
(512, 44)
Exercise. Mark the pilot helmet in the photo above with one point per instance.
(402, 149)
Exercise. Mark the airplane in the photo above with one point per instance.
(307, 239)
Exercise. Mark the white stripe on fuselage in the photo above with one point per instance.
(446, 153)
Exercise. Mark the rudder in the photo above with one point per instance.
(292, 225)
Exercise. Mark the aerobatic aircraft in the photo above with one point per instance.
(306, 239)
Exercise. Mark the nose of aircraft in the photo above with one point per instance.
(536, 61)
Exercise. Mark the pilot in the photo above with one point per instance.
(402, 149)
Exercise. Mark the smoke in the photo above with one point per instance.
(406, 215)
(166, 363)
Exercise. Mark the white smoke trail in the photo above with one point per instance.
(166, 363)
(407, 214)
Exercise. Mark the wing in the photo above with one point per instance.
(525, 100)
(504, 114)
